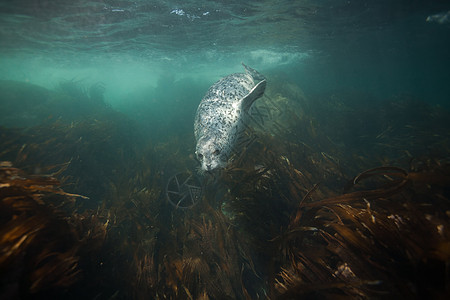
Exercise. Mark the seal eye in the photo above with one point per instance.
(217, 152)
(200, 156)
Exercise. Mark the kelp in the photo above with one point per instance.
(189, 254)
(89, 145)
(286, 219)
(42, 235)
(393, 240)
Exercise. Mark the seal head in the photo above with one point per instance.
(209, 154)
(221, 116)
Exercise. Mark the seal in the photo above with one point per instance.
(221, 116)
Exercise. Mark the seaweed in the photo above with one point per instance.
(378, 241)
(286, 219)
(42, 236)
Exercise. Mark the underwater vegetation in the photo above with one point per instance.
(325, 197)
(389, 241)
(44, 239)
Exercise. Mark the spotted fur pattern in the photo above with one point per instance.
(221, 117)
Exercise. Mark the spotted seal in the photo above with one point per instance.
(221, 114)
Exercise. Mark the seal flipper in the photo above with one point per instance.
(254, 94)
(252, 72)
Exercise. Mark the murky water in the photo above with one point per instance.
(338, 187)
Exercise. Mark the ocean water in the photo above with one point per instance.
(382, 48)
(101, 95)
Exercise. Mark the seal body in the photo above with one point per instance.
(221, 114)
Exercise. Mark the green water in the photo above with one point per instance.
(137, 47)
(102, 95)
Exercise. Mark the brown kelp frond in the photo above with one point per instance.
(13, 178)
(391, 187)
(393, 239)
(79, 152)
(215, 262)
(17, 234)
(146, 272)
(309, 279)
(295, 221)
(395, 180)
(384, 171)
(209, 242)
(195, 266)
(55, 269)
(41, 233)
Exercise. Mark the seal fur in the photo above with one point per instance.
(220, 117)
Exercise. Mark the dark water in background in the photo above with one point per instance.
(376, 92)
(378, 47)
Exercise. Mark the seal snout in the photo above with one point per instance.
(210, 164)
